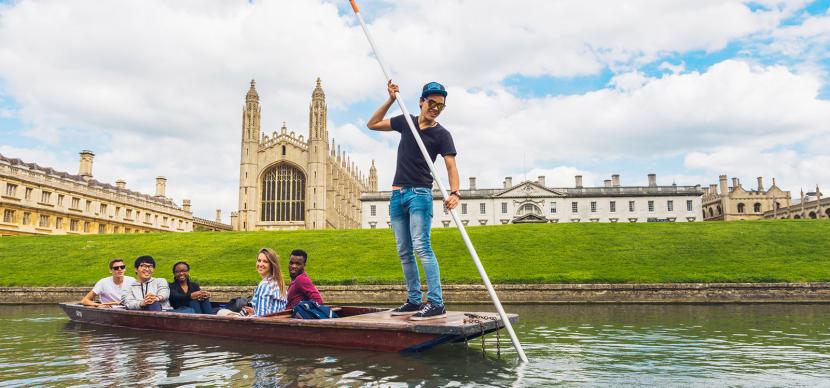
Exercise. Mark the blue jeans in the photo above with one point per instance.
(410, 210)
(196, 307)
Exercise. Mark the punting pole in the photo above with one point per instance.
(453, 213)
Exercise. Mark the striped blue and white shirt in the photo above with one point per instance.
(266, 298)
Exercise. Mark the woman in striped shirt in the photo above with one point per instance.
(270, 294)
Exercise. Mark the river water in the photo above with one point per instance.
(574, 345)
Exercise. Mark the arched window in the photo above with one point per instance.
(283, 194)
(529, 208)
(741, 208)
(796, 217)
(756, 207)
(813, 215)
(777, 205)
(827, 211)
(719, 210)
(711, 212)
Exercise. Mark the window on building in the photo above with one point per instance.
(60, 199)
(504, 207)
(102, 229)
(530, 208)
(574, 207)
(76, 203)
(11, 190)
(283, 194)
(86, 227)
(373, 210)
(44, 221)
(552, 207)
(45, 196)
(756, 207)
(129, 213)
(164, 221)
(689, 205)
(146, 217)
(88, 205)
(651, 206)
(670, 206)
(58, 223)
(593, 206)
(117, 211)
(26, 217)
(116, 229)
(612, 206)
(8, 216)
(741, 208)
(73, 225)
(28, 193)
(463, 208)
(631, 206)
(103, 209)
(156, 219)
(482, 208)
(127, 230)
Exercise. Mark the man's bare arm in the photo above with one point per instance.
(452, 174)
(376, 122)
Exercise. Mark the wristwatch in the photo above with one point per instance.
(456, 193)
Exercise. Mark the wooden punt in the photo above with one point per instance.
(367, 328)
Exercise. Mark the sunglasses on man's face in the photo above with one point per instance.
(119, 267)
(439, 106)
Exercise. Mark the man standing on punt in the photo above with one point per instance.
(410, 207)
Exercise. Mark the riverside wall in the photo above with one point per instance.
(508, 293)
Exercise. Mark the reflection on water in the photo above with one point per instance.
(752, 345)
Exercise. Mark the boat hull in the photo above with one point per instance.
(363, 328)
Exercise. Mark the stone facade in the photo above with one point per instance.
(737, 203)
(287, 182)
(534, 202)
(37, 200)
(811, 205)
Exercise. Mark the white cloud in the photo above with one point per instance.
(159, 85)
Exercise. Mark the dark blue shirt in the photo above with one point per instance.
(412, 169)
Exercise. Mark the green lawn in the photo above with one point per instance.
(757, 251)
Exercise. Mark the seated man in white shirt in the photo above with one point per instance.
(110, 290)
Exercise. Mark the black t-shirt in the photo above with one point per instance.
(179, 298)
(412, 169)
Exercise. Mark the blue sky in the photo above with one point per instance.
(687, 90)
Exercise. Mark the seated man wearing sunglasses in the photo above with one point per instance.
(410, 207)
(110, 290)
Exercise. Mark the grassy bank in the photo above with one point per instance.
(759, 251)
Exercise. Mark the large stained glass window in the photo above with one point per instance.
(283, 194)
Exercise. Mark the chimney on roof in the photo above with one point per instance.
(735, 183)
(541, 180)
(121, 184)
(161, 186)
(713, 189)
(652, 180)
(186, 205)
(472, 183)
(508, 182)
(607, 183)
(578, 180)
(85, 170)
(724, 188)
(760, 183)
(615, 180)
(219, 215)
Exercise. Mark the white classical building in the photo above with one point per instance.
(534, 202)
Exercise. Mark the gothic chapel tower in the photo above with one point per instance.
(248, 160)
(318, 153)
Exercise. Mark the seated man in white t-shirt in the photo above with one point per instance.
(111, 289)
